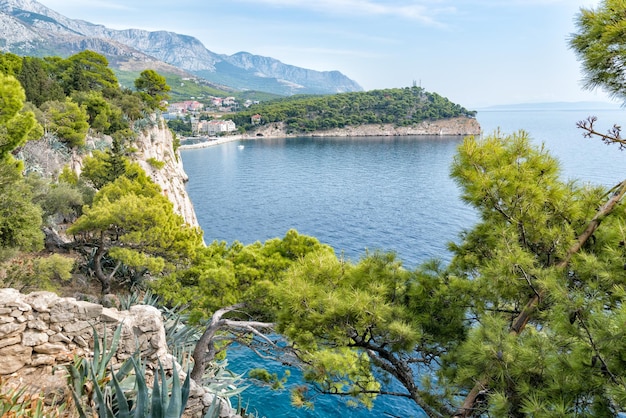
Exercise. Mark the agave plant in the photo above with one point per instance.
(124, 393)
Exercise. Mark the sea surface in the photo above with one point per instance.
(365, 194)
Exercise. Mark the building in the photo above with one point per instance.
(215, 127)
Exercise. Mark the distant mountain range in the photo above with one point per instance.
(30, 28)
(556, 106)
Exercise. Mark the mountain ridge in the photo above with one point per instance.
(27, 27)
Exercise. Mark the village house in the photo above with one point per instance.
(214, 127)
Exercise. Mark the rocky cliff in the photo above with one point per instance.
(453, 126)
(156, 144)
(153, 144)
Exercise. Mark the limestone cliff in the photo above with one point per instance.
(453, 126)
(155, 144)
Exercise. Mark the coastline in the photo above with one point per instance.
(213, 142)
(461, 126)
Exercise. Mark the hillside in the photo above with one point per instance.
(28, 28)
(398, 107)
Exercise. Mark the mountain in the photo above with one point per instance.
(555, 106)
(30, 28)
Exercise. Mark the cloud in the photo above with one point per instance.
(330, 51)
(65, 4)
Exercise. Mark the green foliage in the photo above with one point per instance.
(27, 273)
(152, 87)
(600, 45)
(10, 64)
(63, 199)
(88, 71)
(133, 223)
(113, 397)
(99, 110)
(37, 76)
(268, 378)
(180, 126)
(66, 120)
(155, 163)
(402, 107)
(565, 363)
(68, 176)
(222, 275)
(15, 125)
(54, 267)
(20, 218)
(19, 402)
(181, 87)
(104, 167)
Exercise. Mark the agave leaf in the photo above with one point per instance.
(104, 410)
(114, 343)
(141, 407)
(174, 407)
(156, 411)
(185, 392)
(214, 409)
(122, 402)
(77, 404)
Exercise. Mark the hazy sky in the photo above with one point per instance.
(474, 52)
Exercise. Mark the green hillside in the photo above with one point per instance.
(197, 88)
(399, 106)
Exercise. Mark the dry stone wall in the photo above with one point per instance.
(44, 329)
(41, 330)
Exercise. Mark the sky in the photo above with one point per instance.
(476, 53)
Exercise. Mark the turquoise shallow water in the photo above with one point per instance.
(364, 194)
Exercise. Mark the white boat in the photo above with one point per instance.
(240, 146)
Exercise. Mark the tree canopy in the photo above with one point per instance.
(133, 224)
(20, 219)
(401, 107)
(601, 46)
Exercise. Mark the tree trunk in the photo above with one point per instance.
(204, 351)
(105, 281)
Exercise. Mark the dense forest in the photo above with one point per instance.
(527, 319)
(401, 107)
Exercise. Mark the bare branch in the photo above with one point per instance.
(613, 136)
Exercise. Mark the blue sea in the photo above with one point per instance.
(365, 194)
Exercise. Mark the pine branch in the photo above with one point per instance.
(522, 319)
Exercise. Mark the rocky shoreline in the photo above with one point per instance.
(460, 126)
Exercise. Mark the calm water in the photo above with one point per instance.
(366, 193)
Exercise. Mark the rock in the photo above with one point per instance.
(11, 329)
(55, 330)
(8, 296)
(76, 327)
(453, 126)
(5, 342)
(43, 360)
(13, 358)
(88, 310)
(41, 301)
(49, 348)
(32, 338)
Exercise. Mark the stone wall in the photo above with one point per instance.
(41, 330)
